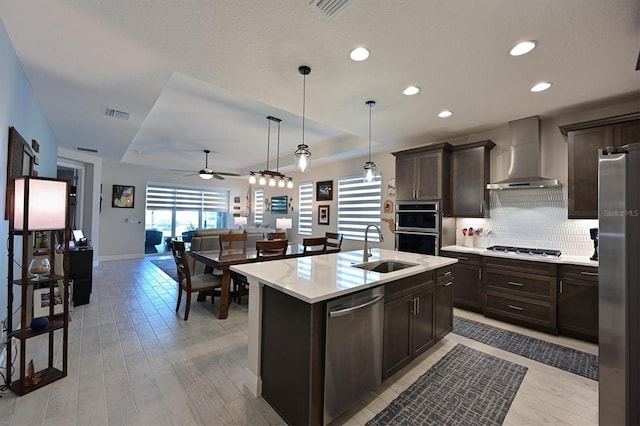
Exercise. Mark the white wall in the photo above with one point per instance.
(21, 109)
(122, 230)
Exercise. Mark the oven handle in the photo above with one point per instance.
(404, 231)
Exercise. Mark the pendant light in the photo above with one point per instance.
(370, 166)
(302, 154)
(274, 177)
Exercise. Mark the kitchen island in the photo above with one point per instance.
(287, 312)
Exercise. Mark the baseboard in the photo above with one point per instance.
(121, 257)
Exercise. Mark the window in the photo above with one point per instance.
(358, 206)
(174, 210)
(258, 206)
(305, 195)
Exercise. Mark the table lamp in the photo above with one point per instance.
(240, 221)
(283, 223)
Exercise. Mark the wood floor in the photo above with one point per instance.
(134, 361)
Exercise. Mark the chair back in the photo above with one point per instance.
(275, 235)
(271, 248)
(333, 239)
(180, 257)
(315, 244)
(233, 242)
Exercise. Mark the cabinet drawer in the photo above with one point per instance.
(526, 266)
(472, 259)
(408, 285)
(528, 310)
(586, 273)
(520, 284)
(444, 274)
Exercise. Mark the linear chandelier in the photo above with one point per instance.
(274, 177)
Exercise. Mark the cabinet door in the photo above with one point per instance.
(429, 177)
(583, 170)
(423, 326)
(578, 308)
(626, 133)
(467, 287)
(444, 309)
(397, 335)
(469, 182)
(405, 178)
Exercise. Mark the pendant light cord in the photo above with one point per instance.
(304, 102)
(370, 106)
(268, 141)
(278, 151)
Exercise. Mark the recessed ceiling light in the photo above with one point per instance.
(359, 54)
(541, 86)
(445, 114)
(522, 48)
(411, 90)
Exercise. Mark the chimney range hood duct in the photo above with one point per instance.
(524, 170)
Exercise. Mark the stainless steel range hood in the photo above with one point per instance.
(524, 170)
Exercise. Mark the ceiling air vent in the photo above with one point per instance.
(79, 148)
(330, 7)
(117, 114)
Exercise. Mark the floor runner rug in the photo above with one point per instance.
(568, 359)
(168, 266)
(465, 387)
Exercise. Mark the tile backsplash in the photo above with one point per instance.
(531, 218)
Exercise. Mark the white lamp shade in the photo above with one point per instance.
(240, 220)
(40, 204)
(283, 223)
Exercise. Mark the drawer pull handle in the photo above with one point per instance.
(515, 284)
(447, 273)
(447, 284)
(591, 274)
(462, 258)
(517, 308)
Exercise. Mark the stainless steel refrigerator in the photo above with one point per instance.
(619, 285)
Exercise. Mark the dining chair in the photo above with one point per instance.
(333, 239)
(236, 242)
(315, 244)
(192, 284)
(267, 249)
(275, 235)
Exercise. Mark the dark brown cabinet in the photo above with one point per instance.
(424, 174)
(470, 171)
(578, 302)
(409, 315)
(522, 292)
(467, 287)
(584, 141)
(444, 302)
(81, 272)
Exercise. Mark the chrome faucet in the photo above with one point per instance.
(366, 254)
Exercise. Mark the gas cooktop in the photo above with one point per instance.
(526, 251)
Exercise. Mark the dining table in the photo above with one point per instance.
(222, 261)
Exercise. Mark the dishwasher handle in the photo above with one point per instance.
(347, 311)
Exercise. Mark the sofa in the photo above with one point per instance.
(209, 239)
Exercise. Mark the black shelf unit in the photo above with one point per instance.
(24, 383)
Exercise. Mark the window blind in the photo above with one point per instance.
(305, 213)
(161, 197)
(258, 205)
(358, 206)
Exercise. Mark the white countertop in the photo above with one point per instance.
(321, 277)
(564, 259)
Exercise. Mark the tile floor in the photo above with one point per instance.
(134, 361)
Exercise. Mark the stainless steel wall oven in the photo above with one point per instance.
(418, 227)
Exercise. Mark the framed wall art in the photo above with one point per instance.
(324, 190)
(323, 215)
(20, 162)
(123, 196)
(42, 300)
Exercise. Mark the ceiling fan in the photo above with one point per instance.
(207, 173)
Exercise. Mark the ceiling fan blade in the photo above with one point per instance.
(226, 174)
(217, 176)
(180, 170)
(192, 174)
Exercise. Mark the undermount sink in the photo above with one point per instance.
(384, 266)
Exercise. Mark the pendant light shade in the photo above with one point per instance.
(302, 154)
(273, 177)
(369, 167)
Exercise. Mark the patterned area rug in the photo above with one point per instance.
(465, 387)
(567, 359)
(168, 266)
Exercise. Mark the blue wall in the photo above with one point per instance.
(19, 108)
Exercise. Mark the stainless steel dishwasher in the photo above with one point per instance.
(353, 352)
